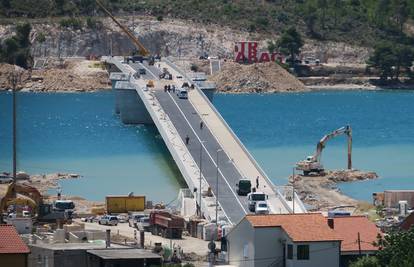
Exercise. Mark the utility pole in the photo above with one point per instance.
(217, 183)
(349, 148)
(359, 245)
(14, 80)
(199, 189)
(293, 190)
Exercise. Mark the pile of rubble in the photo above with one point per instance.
(258, 77)
(69, 76)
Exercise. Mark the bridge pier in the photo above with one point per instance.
(117, 77)
(131, 107)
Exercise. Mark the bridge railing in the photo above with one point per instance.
(261, 171)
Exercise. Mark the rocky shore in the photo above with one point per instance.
(321, 191)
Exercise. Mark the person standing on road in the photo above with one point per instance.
(201, 125)
(257, 182)
(187, 139)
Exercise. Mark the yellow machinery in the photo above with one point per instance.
(141, 48)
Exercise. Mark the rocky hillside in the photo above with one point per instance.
(170, 37)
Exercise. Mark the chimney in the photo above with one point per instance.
(331, 223)
(108, 238)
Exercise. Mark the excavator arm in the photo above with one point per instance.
(321, 144)
(313, 163)
(141, 48)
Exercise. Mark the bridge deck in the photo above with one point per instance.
(187, 122)
(234, 162)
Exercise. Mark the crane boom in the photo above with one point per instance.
(321, 144)
(313, 163)
(141, 48)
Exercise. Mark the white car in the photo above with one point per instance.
(109, 220)
(261, 207)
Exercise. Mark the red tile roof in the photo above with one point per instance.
(348, 227)
(10, 241)
(408, 222)
(300, 227)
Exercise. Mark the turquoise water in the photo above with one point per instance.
(79, 133)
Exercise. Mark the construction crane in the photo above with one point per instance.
(313, 163)
(142, 51)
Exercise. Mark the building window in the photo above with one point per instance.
(303, 252)
(290, 252)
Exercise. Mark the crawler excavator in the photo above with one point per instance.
(313, 163)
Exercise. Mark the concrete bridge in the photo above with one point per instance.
(214, 157)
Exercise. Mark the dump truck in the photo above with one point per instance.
(166, 224)
(124, 204)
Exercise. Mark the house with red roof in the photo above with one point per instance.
(358, 235)
(283, 240)
(13, 251)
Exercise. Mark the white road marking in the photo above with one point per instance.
(231, 189)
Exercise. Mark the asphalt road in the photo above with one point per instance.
(152, 72)
(187, 122)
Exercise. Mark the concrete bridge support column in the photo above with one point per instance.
(117, 77)
(131, 107)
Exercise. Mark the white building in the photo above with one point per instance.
(283, 240)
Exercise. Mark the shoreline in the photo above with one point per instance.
(321, 192)
(309, 89)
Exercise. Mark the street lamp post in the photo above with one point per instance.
(14, 80)
(217, 182)
(199, 188)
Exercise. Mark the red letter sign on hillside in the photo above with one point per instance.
(252, 52)
(246, 52)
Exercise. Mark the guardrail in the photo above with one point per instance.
(186, 172)
(261, 171)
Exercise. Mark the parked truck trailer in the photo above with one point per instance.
(124, 204)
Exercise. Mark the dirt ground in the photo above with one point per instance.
(67, 75)
(322, 193)
(259, 77)
(45, 182)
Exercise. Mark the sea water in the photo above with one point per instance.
(79, 133)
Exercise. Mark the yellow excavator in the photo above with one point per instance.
(313, 163)
(142, 51)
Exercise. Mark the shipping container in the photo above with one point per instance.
(124, 204)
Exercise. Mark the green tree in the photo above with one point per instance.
(397, 249)
(365, 262)
(323, 6)
(383, 59)
(310, 17)
(400, 13)
(16, 49)
(404, 59)
(271, 46)
(290, 43)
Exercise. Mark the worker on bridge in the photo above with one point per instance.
(187, 139)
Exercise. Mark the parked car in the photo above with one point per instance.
(261, 207)
(109, 220)
(134, 219)
(122, 218)
(144, 222)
